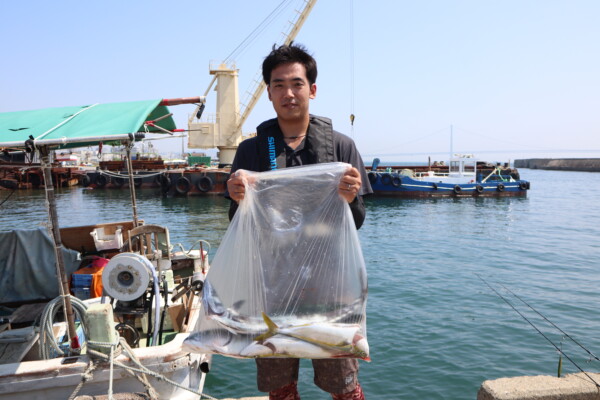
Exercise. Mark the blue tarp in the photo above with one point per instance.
(28, 265)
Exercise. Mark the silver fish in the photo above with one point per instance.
(284, 346)
(216, 342)
(346, 339)
(229, 318)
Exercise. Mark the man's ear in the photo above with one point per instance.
(313, 91)
(269, 92)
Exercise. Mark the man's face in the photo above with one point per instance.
(290, 91)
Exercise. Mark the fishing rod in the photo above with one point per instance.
(562, 353)
(7, 197)
(552, 323)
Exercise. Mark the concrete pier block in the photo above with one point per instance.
(570, 387)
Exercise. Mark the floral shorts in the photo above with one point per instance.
(339, 375)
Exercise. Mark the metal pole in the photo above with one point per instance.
(451, 143)
(181, 100)
(131, 184)
(60, 262)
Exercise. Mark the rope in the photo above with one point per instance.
(115, 351)
(47, 335)
(117, 175)
(110, 374)
(87, 375)
(49, 347)
(142, 370)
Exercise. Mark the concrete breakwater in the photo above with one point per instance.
(560, 164)
(580, 386)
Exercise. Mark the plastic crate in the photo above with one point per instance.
(81, 293)
(103, 241)
(81, 280)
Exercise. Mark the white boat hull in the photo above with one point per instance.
(55, 380)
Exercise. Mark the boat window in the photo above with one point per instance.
(454, 166)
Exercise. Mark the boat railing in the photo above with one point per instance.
(497, 175)
(430, 174)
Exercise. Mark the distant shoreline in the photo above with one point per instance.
(560, 164)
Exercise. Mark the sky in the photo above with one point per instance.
(502, 80)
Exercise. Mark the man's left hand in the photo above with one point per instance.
(350, 184)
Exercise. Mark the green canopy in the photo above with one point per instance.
(83, 125)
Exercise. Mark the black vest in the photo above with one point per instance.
(271, 147)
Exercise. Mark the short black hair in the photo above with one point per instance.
(288, 54)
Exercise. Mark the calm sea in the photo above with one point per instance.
(436, 331)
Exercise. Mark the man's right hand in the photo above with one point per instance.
(236, 186)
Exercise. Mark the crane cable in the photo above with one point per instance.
(352, 68)
(257, 31)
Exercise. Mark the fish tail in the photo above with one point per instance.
(271, 326)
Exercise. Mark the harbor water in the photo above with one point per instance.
(435, 329)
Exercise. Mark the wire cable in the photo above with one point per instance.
(257, 31)
(552, 323)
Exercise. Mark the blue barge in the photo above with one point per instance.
(463, 177)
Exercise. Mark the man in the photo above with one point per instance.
(292, 139)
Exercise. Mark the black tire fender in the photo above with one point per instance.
(500, 187)
(372, 177)
(523, 186)
(205, 183)
(101, 180)
(457, 189)
(118, 182)
(85, 181)
(164, 181)
(36, 179)
(182, 185)
(386, 179)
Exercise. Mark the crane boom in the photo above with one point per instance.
(225, 130)
(296, 26)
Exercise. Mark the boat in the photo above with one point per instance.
(464, 176)
(188, 181)
(120, 330)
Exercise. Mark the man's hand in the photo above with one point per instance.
(236, 186)
(350, 184)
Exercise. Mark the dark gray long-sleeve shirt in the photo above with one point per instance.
(345, 150)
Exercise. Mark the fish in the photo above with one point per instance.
(216, 342)
(232, 320)
(238, 325)
(345, 339)
(284, 346)
(228, 318)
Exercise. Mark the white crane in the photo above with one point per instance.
(224, 131)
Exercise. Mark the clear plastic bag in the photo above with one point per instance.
(289, 278)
